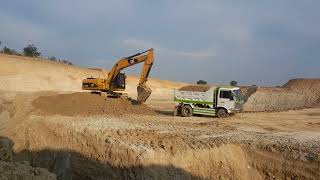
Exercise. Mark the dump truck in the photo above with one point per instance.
(217, 101)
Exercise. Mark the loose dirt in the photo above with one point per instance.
(87, 104)
(196, 88)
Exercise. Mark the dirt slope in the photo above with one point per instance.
(296, 93)
(28, 74)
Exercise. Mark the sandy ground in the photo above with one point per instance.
(28, 74)
(246, 146)
(157, 145)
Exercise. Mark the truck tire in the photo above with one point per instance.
(186, 111)
(222, 113)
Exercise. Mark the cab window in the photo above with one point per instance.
(225, 94)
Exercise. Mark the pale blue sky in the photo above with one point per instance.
(263, 42)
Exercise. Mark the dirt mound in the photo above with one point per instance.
(295, 94)
(196, 88)
(86, 104)
(297, 84)
(247, 91)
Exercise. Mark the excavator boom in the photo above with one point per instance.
(116, 80)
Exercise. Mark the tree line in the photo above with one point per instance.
(203, 82)
(31, 51)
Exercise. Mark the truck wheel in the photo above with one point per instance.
(186, 111)
(222, 113)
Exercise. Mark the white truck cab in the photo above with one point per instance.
(217, 101)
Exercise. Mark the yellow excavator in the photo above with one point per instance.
(116, 81)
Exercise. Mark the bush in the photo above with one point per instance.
(233, 83)
(201, 82)
(10, 51)
(52, 58)
(31, 51)
(66, 62)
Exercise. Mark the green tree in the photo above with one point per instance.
(31, 51)
(53, 58)
(233, 83)
(9, 51)
(201, 82)
(6, 50)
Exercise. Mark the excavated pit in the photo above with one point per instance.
(87, 104)
(93, 159)
(145, 147)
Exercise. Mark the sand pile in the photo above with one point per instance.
(86, 104)
(196, 88)
(15, 170)
(303, 84)
(247, 91)
(297, 93)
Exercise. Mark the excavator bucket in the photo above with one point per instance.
(143, 93)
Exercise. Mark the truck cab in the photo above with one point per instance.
(217, 101)
(229, 98)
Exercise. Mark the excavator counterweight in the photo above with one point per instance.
(116, 80)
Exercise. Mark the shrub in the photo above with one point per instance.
(201, 82)
(233, 83)
(31, 51)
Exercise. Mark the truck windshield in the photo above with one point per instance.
(237, 95)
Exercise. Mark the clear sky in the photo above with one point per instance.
(263, 42)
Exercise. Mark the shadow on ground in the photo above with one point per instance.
(165, 112)
(68, 164)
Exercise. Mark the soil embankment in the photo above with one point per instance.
(87, 104)
(296, 94)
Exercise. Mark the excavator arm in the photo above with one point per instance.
(110, 85)
(130, 61)
(143, 90)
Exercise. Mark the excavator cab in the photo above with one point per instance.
(119, 82)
